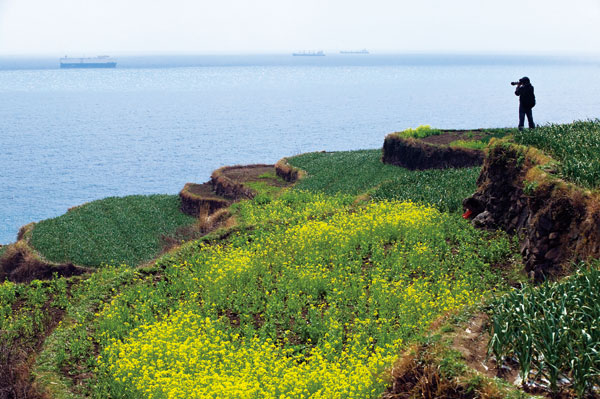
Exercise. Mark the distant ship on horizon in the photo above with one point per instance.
(101, 61)
(363, 51)
(309, 53)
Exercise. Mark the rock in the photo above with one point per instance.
(556, 224)
(525, 245)
(553, 255)
(535, 250)
(522, 217)
(545, 223)
(484, 219)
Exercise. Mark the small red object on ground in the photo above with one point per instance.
(467, 214)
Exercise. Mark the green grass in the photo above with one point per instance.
(269, 184)
(113, 230)
(576, 146)
(69, 350)
(357, 172)
(444, 189)
(22, 312)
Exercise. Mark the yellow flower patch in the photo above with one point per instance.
(315, 306)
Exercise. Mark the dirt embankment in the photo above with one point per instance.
(200, 199)
(226, 185)
(416, 154)
(558, 223)
(21, 264)
(288, 172)
(229, 181)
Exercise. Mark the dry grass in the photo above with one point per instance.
(423, 373)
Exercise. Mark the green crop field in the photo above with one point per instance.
(576, 146)
(357, 172)
(112, 230)
(553, 331)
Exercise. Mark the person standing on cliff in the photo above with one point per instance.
(526, 101)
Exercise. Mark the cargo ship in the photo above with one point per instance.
(363, 51)
(309, 53)
(102, 61)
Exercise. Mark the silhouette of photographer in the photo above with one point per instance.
(526, 101)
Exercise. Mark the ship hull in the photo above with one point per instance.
(79, 65)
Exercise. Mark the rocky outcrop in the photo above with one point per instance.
(415, 154)
(557, 222)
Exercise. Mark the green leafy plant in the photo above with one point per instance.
(111, 230)
(576, 146)
(358, 172)
(552, 330)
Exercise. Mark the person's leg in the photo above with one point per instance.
(530, 118)
(521, 118)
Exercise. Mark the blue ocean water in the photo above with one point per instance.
(155, 123)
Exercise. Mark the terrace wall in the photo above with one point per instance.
(199, 200)
(288, 172)
(416, 154)
(21, 264)
(229, 188)
(557, 222)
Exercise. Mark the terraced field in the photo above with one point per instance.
(111, 231)
(328, 289)
(359, 172)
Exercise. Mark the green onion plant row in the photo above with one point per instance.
(575, 146)
(553, 331)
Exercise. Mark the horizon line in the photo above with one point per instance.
(327, 52)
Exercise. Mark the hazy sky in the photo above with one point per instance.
(90, 27)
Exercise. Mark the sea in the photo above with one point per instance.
(155, 123)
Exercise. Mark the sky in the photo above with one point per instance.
(91, 27)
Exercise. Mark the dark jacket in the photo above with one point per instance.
(526, 95)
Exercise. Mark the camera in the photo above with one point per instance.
(514, 83)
